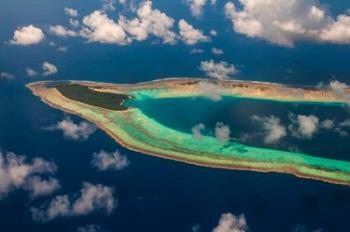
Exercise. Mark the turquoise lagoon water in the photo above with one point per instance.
(184, 113)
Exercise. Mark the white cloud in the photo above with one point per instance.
(222, 132)
(209, 90)
(91, 228)
(74, 22)
(273, 129)
(196, 51)
(108, 5)
(149, 21)
(71, 12)
(345, 123)
(60, 30)
(338, 31)
(231, 223)
(341, 128)
(191, 35)
(284, 22)
(327, 124)
(341, 90)
(31, 72)
(217, 51)
(196, 7)
(303, 126)
(213, 33)
(16, 173)
(109, 160)
(74, 131)
(221, 70)
(27, 35)
(41, 187)
(49, 69)
(197, 131)
(92, 198)
(100, 28)
(7, 76)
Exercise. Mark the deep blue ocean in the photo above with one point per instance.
(156, 194)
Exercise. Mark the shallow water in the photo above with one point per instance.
(184, 113)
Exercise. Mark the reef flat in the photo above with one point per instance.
(133, 129)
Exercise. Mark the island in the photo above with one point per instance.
(103, 105)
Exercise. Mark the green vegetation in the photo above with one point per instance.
(81, 93)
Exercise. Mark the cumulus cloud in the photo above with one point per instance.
(31, 72)
(60, 30)
(196, 7)
(27, 35)
(191, 35)
(49, 69)
(92, 198)
(327, 124)
(231, 223)
(221, 70)
(209, 90)
(338, 31)
(341, 90)
(41, 187)
(217, 51)
(197, 131)
(103, 160)
(149, 21)
(222, 132)
(303, 126)
(16, 173)
(7, 76)
(273, 129)
(100, 28)
(71, 12)
(74, 131)
(284, 22)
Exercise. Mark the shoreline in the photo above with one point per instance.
(285, 169)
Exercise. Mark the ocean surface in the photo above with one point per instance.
(155, 194)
